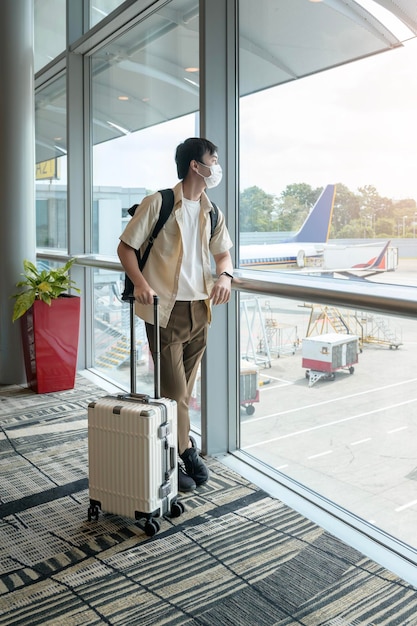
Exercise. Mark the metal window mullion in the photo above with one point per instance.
(78, 209)
(218, 123)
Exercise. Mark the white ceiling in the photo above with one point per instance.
(280, 41)
(405, 10)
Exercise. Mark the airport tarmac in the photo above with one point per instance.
(352, 439)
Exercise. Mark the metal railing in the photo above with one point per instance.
(391, 299)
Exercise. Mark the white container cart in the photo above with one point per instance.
(325, 354)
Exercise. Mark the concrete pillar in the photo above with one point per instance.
(17, 187)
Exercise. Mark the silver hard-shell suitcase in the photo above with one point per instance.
(132, 449)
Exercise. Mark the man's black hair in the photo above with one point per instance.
(191, 149)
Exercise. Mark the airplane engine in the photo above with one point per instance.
(301, 258)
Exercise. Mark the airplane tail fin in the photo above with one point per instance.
(376, 263)
(316, 227)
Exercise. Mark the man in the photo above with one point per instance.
(178, 270)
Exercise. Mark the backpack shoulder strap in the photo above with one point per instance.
(164, 213)
(214, 216)
(166, 208)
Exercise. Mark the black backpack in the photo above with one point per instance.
(166, 208)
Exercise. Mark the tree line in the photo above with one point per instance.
(364, 214)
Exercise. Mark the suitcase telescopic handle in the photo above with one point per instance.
(157, 340)
(133, 349)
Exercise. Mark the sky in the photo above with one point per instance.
(356, 124)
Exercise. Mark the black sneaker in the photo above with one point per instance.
(185, 482)
(195, 466)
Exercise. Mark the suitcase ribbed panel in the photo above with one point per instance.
(127, 457)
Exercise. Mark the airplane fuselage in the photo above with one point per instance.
(282, 255)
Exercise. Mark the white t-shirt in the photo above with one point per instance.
(191, 280)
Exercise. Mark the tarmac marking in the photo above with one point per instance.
(315, 456)
(340, 398)
(283, 383)
(357, 443)
(334, 423)
(405, 506)
(281, 380)
(396, 430)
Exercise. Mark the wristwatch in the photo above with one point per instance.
(226, 274)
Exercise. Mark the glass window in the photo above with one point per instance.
(351, 125)
(145, 100)
(51, 166)
(328, 399)
(50, 31)
(99, 9)
(327, 185)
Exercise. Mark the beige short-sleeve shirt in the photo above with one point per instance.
(163, 266)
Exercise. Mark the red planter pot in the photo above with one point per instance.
(50, 343)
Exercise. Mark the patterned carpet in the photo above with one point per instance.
(235, 557)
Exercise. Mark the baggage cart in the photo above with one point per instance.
(325, 354)
(249, 386)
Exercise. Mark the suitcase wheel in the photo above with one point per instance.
(152, 527)
(93, 512)
(177, 508)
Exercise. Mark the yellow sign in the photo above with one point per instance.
(48, 169)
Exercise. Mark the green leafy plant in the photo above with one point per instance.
(42, 285)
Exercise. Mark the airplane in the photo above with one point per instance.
(305, 247)
(308, 250)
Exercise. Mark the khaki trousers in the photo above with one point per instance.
(183, 343)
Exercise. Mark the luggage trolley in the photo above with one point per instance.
(249, 386)
(325, 354)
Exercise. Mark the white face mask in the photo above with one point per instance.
(216, 174)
